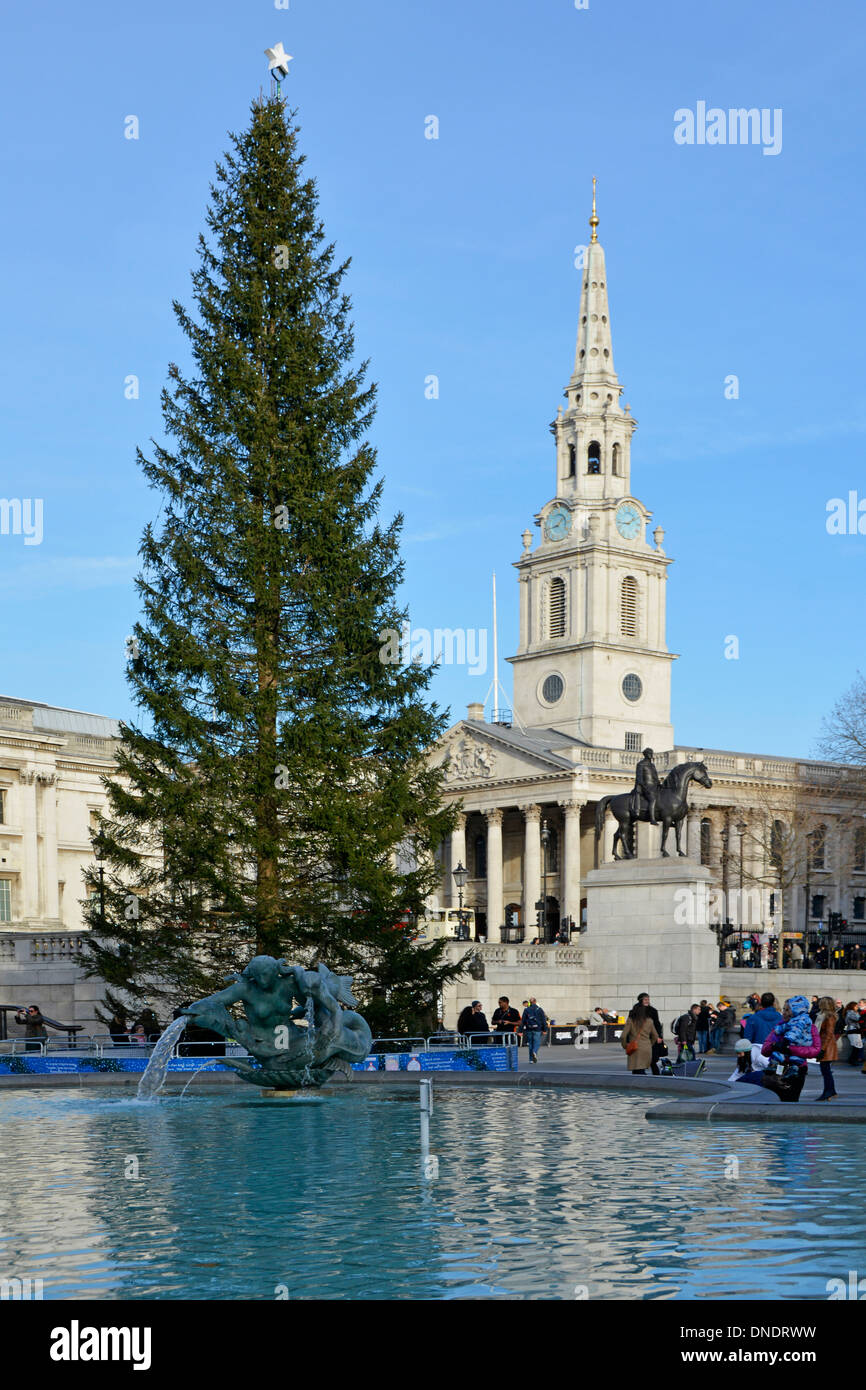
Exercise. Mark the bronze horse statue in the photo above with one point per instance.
(670, 810)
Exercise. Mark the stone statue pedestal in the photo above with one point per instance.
(647, 930)
(272, 1094)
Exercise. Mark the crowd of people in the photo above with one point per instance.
(774, 1047)
(529, 1027)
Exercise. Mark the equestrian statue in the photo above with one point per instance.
(651, 800)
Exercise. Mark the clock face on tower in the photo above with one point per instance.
(558, 523)
(628, 521)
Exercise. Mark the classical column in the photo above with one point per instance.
(571, 869)
(29, 846)
(526, 633)
(458, 856)
(531, 867)
(50, 894)
(693, 836)
(495, 905)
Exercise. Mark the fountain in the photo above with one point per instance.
(288, 1055)
(153, 1076)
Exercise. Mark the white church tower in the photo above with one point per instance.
(592, 661)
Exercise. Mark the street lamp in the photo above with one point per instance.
(741, 830)
(725, 836)
(460, 876)
(545, 841)
(99, 853)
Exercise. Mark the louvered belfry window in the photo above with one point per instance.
(628, 607)
(556, 608)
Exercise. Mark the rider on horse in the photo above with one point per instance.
(646, 786)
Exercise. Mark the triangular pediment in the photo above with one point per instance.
(476, 754)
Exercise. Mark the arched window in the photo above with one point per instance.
(593, 457)
(614, 467)
(706, 840)
(556, 608)
(572, 461)
(480, 856)
(628, 620)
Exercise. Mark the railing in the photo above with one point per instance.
(98, 1044)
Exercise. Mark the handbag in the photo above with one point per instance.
(632, 1047)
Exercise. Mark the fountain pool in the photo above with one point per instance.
(541, 1194)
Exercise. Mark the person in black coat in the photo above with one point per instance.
(687, 1031)
(118, 1029)
(34, 1027)
(472, 1020)
(505, 1018)
(659, 1049)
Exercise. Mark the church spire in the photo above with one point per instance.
(593, 221)
(594, 377)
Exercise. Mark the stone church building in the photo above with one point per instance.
(783, 838)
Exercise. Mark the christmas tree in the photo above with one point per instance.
(274, 795)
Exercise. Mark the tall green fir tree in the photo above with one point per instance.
(273, 795)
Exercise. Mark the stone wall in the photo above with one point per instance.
(558, 976)
(40, 969)
(737, 985)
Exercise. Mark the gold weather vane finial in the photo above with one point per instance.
(593, 221)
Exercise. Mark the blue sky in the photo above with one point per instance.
(721, 260)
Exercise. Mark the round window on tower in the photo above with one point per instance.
(632, 687)
(552, 689)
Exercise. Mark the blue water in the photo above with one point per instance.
(541, 1194)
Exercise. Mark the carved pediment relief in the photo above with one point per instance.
(468, 759)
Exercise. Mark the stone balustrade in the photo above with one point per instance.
(550, 957)
(26, 947)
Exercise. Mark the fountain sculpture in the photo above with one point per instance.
(274, 994)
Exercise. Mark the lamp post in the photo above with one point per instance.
(741, 830)
(99, 852)
(545, 841)
(460, 876)
(725, 838)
